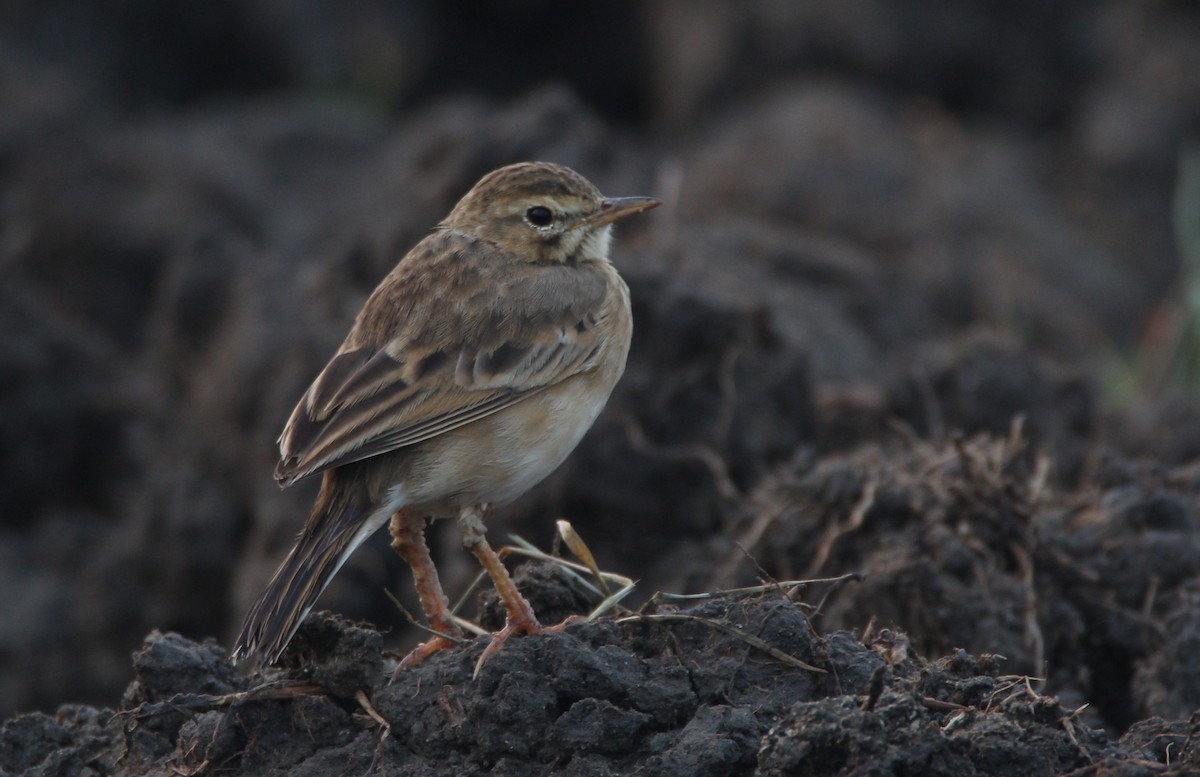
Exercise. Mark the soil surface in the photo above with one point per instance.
(911, 328)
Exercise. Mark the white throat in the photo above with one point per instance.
(594, 247)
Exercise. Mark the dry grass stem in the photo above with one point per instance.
(408, 616)
(729, 630)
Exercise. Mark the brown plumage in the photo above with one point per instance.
(469, 375)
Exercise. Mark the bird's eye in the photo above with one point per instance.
(539, 216)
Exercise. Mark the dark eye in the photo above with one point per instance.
(539, 216)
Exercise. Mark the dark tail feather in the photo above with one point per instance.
(338, 524)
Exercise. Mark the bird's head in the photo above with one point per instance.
(543, 213)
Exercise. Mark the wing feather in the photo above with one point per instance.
(409, 371)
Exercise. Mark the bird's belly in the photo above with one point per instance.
(498, 458)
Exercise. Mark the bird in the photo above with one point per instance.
(470, 373)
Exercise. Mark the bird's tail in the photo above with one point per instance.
(340, 521)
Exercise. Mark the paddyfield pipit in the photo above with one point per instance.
(470, 373)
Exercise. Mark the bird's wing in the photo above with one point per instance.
(444, 341)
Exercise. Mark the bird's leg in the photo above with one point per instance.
(408, 540)
(520, 617)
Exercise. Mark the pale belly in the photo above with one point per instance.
(496, 459)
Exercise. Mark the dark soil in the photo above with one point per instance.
(714, 689)
(909, 327)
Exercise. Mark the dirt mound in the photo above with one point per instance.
(735, 683)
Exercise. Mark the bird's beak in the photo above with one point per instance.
(616, 208)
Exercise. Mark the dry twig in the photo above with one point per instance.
(731, 631)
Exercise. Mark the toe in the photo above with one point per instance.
(521, 626)
(422, 652)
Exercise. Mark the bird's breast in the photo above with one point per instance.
(496, 459)
(499, 457)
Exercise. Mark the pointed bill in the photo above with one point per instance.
(616, 208)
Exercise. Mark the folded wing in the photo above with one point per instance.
(436, 368)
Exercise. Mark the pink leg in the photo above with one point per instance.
(520, 614)
(408, 540)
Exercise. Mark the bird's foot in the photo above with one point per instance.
(519, 626)
(425, 650)
(421, 652)
(560, 627)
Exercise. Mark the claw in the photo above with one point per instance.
(510, 628)
(420, 653)
(501, 636)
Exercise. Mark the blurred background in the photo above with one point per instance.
(926, 212)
